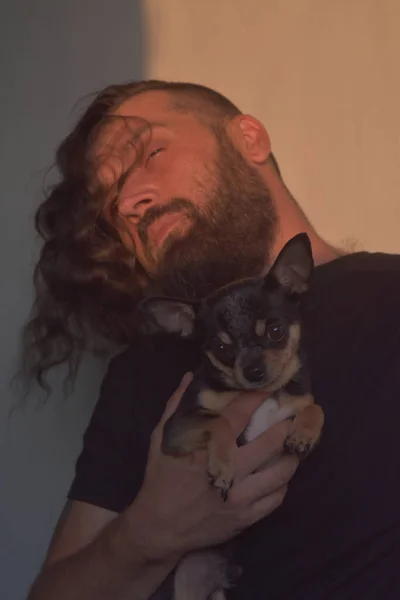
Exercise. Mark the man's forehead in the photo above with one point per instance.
(122, 135)
(155, 105)
(130, 123)
(138, 116)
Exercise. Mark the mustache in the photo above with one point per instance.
(154, 213)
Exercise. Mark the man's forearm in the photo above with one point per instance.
(112, 567)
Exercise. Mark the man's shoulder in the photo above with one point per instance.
(352, 319)
(370, 264)
(143, 376)
(363, 278)
(151, 357)
(138, 382)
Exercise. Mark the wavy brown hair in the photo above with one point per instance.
(87, 283)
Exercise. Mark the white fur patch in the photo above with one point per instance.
(266, 415)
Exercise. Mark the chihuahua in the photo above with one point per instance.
(250, 332)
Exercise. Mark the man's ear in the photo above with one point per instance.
(168, 316)
(294, 265)
(251, 137)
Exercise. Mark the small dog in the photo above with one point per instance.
(251, 335)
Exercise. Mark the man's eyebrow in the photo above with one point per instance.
(158, 124)
(146, 123)
(149, 126)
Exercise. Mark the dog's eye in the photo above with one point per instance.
(223, 352)
(275, 332)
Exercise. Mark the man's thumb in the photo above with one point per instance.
(173, 402)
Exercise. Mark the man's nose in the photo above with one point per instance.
(135, 205)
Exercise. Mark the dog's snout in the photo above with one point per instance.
(252, 365)
(254, 372)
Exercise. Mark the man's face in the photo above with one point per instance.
(196, 214)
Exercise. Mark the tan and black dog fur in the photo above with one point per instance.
(251, 334)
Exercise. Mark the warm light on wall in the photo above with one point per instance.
(324, 79)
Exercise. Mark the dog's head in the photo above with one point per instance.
(250, 329)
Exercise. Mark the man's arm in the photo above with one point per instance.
(93, 555)
(78, 525)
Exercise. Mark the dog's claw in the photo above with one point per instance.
(292, 445)
(223, 485)
(225, 491)
(233, 572)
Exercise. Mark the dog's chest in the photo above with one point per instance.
(266, 415)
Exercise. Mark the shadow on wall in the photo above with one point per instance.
(52, 54)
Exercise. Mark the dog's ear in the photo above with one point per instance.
(168, 315)
(294, 265)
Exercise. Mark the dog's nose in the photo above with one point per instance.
(254, 372)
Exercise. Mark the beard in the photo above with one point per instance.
(229, 239)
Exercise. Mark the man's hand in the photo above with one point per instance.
(178, 511)
(99, 555)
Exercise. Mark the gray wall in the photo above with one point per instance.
(52, 53)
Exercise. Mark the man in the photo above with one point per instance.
(170, 188)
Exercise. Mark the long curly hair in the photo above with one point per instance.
(87, 283)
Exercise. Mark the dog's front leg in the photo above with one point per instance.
(306, 430)
(202, 430)
(221, 455)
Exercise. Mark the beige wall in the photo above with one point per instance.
(323, 76)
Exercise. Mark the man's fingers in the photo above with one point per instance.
(266, 482)
(242, 407)
(262, 449)
(266, 505)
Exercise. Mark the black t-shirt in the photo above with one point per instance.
(337, 534)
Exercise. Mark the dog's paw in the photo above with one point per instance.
(222, 483)
(221, 477)
(233, 574)
(306, 431)
(301, 441)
